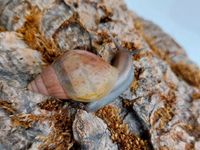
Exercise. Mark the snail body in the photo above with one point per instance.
(77, 75)
(123, 62)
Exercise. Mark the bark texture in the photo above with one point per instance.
(160, 110)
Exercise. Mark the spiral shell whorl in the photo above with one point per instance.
(48, 84)
(38, 86)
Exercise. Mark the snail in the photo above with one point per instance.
(79, 75)
(84, 76)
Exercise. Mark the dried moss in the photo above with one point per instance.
(61, 136)
(134, 85)
(130, 45)
(26, 120)
(188, 72)
(140, 27)
(119, 130)
(108, 13)
(192, 129)
(164, 115)
(190, 146)
(35, 39)
(128, 104)
(195, 96)
(51, 104)
(160, 53)
(7, 107)
(142, 54)
(170, 98)
(2, 29)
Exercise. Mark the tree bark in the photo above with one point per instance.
(160, 110)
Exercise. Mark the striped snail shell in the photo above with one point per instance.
(77, 75)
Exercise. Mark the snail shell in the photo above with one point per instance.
(78, 75)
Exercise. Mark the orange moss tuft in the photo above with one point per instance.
(139, 26)
(35, 39)
(7, 106)
(188, 72)
(160, 53)
(142, 54)
(195, 96)
(170, 98)
(2, 29)
(61, 136)
(128, 104)
(119, 130)
(164, 115)
(134, 85)
(26, 120)
(193, 129)
(51, 104)
(189, 146)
